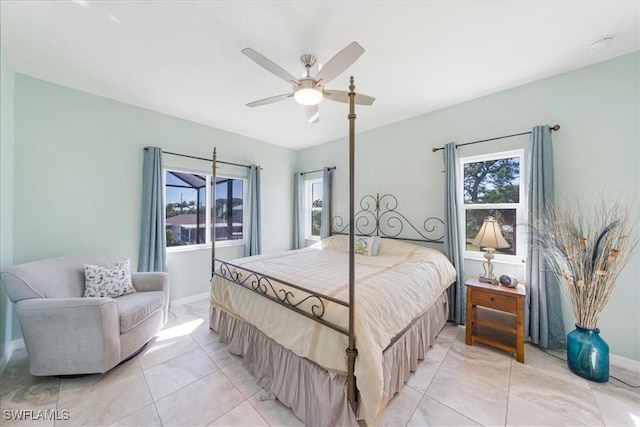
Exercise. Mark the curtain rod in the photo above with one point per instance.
(554, 127)
(318, 170)
(203, 158)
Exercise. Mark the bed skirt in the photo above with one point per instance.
(317, 396)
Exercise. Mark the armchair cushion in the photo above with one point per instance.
(108, 281)
(135, 308)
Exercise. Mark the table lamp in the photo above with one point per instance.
(490, 238)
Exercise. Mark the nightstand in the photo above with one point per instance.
(495, 316)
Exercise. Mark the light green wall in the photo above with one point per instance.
(596, 150)
(78, 167)
(7, 83)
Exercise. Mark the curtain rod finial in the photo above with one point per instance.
(555, 127)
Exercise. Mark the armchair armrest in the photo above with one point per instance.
(150, 281)
(70, 335)
(153, 281)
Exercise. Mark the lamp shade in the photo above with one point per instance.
(490, 236)
(308, 96)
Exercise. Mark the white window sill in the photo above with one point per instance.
(220, 244)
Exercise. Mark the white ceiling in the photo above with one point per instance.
(183, 57)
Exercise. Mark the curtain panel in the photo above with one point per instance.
(152, 254)
(543, 311)
(327, 188)
(298, 211)
(454, 247)
(253, 246)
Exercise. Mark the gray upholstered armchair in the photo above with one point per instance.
(66, 334)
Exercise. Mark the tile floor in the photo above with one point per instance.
(187, 378)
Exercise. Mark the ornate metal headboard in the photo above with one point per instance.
(378, 217)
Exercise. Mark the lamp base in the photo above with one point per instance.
(488, 280)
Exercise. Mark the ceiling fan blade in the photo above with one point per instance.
(269, 100)
(339, 63)
(313, 113)
(270, 66)
(343, 96)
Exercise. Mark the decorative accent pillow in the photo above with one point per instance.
(108, 282)
(367, 245)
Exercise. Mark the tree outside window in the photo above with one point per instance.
(491, 186)
(313, 198)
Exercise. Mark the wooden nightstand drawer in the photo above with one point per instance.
(492, 300)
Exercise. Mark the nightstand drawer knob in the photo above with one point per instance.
(493, 299)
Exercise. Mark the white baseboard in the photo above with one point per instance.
(13, 346)
(624, 362)
(192, 298)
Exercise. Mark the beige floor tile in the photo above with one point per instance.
(484, 363)
(439, 350)
(167, 377)
(449, 332)
(618, 411)
(241, 378)
(430, 412)
(242, 415)
(218, 352)
(421, 378)
(522, 412)
(200, 402)
(562, 395)
(473, 398)
(24, 395)
(273, 411)
(145, 417)
(107, 401)
(169, 344)
(400, 408)
(204, 335)
(72, 388)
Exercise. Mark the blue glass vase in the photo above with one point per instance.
(588, 354)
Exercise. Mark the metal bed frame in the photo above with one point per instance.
(377, 216)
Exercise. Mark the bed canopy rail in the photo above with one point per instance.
(378, 216)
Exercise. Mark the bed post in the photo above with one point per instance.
(213, 211)
(351, 350)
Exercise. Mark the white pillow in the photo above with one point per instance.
(108, 282)
(367, 245)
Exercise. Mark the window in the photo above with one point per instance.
(313, 208)
(491, 187)
(189, 212)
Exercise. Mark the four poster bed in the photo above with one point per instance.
(291, 315)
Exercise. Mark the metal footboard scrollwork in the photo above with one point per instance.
(310, 304)
(378, 216)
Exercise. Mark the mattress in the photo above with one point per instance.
(392, 289)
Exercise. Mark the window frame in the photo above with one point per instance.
(520, 207)
(208, 203)
(309, 209)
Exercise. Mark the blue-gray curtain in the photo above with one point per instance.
(543, 311)
(253, 246)
(152, 253)
(453, 246)
(327, 187)
(298, 211)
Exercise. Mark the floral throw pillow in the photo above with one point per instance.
(367, 245)
(108, 282)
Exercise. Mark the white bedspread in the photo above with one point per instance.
(392, 289)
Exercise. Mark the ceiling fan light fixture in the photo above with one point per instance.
(308, 96)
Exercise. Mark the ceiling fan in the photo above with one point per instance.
(310, 91)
